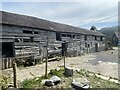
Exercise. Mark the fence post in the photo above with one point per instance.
(46, 61)
(2, 63)
(14, 73)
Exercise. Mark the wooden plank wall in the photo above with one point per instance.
(7, 63)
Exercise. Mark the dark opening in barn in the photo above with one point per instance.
(7, 49)
(58, 36)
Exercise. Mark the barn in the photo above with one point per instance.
(115, 39)
(25, 36)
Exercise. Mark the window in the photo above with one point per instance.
(16, 40)
(63, 35)
(35, 32)
(101, 38)
(58, 36)
(68, 35)
(73, 36)
(85, 37)
(78, 36)
(31, 39)
(85, 44)
(95, 37)
(26, 40)
(88, 45)
(27, 31)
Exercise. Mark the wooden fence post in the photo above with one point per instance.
(46, 61)
(2, 63)
(14, 73)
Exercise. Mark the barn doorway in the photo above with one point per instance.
(8, 49)
(96, 47)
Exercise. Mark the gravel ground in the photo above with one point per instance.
(102, 62)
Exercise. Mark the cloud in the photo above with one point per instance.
(72, 13)
(60, 0)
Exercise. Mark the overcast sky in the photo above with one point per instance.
(81, 14)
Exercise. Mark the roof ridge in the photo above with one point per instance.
(35, 22)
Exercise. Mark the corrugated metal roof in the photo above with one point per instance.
(28, 21)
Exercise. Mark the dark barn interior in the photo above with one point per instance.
(7, 49)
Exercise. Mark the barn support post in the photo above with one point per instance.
(64, 61)
(14, 73)
(9, 62)
(5, 63)
(2, 63)
(46, 61)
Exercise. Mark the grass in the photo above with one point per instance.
(33, 83)
(95, 82)
(4, 82)
(36, 82)
(55, 72)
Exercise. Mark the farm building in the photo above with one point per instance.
(25, 36)
(115, 39)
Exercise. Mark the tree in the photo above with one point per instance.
(93, 28)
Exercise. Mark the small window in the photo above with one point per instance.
(88, 45)
(101, 38)
(68, 35)
(16, 40)
(35, 32)
(26, 40)
(85, 44)
(27, 31)
(73, 36)
(85, 37)
(63, 35)
(58, 36)
(78, 36)
(31, 39)
(95, 37)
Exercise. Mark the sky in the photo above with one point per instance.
(84, 14)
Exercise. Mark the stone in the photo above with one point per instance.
(10, 85)
(54, 80)
(80, 83)
(49, 83)
(68, 71)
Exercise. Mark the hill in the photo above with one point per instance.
(109, 31)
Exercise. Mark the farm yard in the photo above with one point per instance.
(38, 53)
(103, 63)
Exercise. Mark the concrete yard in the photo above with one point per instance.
(103, 62)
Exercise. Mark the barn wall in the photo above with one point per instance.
(82, 44)
(32, 42)
(29, 46)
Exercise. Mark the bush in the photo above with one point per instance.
(4, 82)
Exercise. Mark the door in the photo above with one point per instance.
(8, 49)
(96, 47)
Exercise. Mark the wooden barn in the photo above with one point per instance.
(115, 39)
(25, 36)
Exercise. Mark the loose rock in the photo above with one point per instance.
(80, 84)
(52, 81)
(68, 71)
